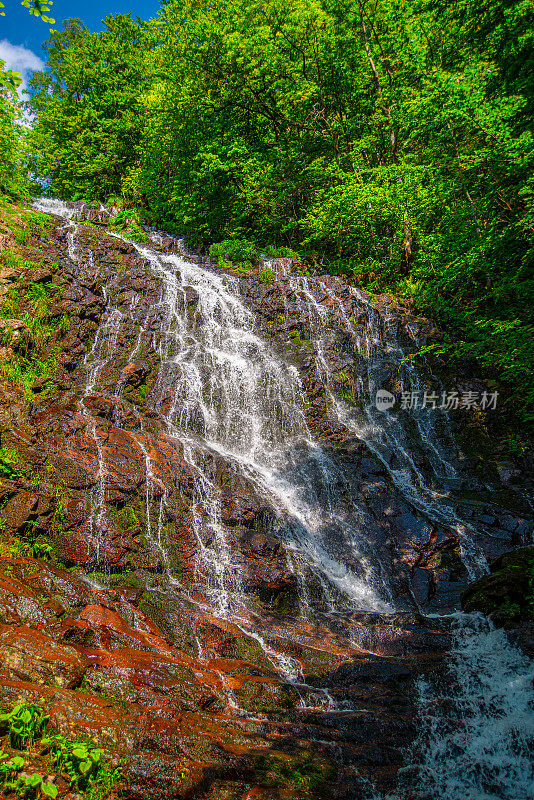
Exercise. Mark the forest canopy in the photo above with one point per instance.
(389, 141)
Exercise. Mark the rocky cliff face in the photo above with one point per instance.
(238, 551)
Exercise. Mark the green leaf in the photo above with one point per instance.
(49, 789)
(80, 752)
(33, 780)
(85, 766)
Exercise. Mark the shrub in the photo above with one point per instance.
(235, 250)
(128, 223)
(9, 464)
(282, 252)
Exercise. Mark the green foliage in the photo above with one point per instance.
(302, 774)
(84, 766)
(281, 252)
(39, 8)
(142, 392)
(9, 767)
(9, 464)
(25, 723)
(37, 219)
(266, 275)
(49, 789)
(36, 357)
(26, 785)
(235, 250)
(25, 371)
(89, 118)
(127, 223)
(11, 135)
(30, 542)
(244, 268)
(223, 263)
(78, 760)
(390, 142)
(81, 763)
(21, 235)
(127, 519)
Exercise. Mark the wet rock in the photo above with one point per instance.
(265, 567)
(19, 603)
(29, 655)
(188, 685)
(19, 508)
(134, 374)
(38, 275)
(155, 774)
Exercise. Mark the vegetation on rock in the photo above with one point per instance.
(72, 764)
(390, 142)
(507, 593)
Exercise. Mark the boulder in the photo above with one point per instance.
(27, 654)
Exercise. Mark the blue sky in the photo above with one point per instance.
(21, 35)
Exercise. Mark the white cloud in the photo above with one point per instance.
(19, 59)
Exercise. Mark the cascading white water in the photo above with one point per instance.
(232, 395)
(222, 391)
(95, 360)
(477, 728)
(97, 357)
(389, 436)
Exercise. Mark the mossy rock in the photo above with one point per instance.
(127, 519)
(507, 593)
(302, 775)
(267, 696)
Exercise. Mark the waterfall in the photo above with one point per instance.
(232, 396)
(391, 437)
(224, 392)
(477, 727)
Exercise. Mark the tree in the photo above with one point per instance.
(390, 140)
(10, 134)
(9, 79)
(87, 114)
(38, 8)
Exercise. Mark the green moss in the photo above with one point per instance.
(125, 579)
(127, 519)
(142, 393)
(507, 593)
(37, 219)
(36, 357)
(128, 223)
(21, 236)
(305, 774)
(10, 465)
(285, 603)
